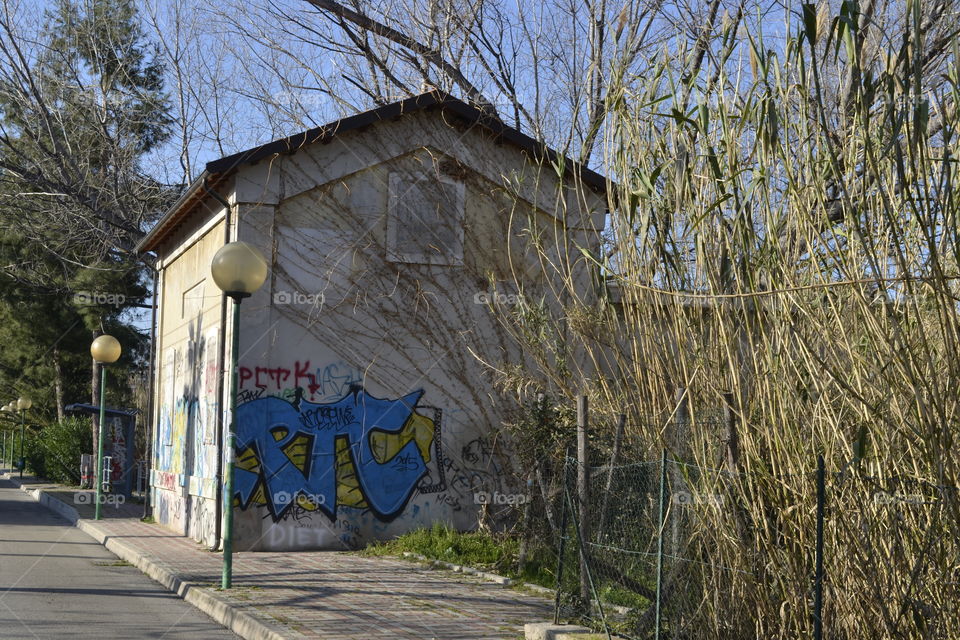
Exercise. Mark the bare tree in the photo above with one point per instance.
(82, 102)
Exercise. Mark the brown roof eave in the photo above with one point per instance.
(187, 201)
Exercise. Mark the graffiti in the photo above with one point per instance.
(267, 376)
(449, 500)
(175, 421)
(169, 509)
(187, 420)
(248, 395)
(177, 413)
(208, 387)
(428, 484)
(202, 388)
(330, 383)
(476, 468)
(164, 480)
(358, 451)
(336, 381)
(203, 517)
(163, 455)
(118, 455)
(327, 417)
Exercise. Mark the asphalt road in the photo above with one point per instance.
(57, 582)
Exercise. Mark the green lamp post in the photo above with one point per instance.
(238, 269)
(13, 440)
(23, 404)
(11, 407)
(105, 350)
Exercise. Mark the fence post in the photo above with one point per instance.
(660, 526)
(818, 576)
(525, 527)
(614, 459)
(561, 545)
(583, 495)
(679, 451)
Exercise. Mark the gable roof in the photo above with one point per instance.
(218, 170)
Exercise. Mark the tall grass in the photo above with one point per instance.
(784, 231)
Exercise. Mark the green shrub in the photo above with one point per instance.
(34, 455)
(54, 452)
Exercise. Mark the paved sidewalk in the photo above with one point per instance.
(319, 594)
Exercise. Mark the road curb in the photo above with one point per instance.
(62, 508)
(226, 613)
(459, 568)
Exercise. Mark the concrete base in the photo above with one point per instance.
(550, 631)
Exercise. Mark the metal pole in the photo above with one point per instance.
(221, 364)
(818, 576)
(561, 545)
(151, 431)
(102, 424)
(661, 523)
(229, 453)
(583, 496)
(590, 582)
(23, 459)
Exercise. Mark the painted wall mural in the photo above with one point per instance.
(204, 391)
(187, 421)
(168, 423)
(356, 451)
(322, 461)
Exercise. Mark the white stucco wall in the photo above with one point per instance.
(184, 464)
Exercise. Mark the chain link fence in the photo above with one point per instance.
(659, 548)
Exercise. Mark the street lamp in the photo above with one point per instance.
(12, 408)
(238, 269)
(23, 404)
(105, 350)
(13, 439)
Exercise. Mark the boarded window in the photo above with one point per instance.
(425, 220)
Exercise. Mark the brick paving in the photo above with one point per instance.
(337, 595)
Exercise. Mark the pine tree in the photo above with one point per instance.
(78, 117)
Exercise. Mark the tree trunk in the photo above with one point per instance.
(58, 383)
